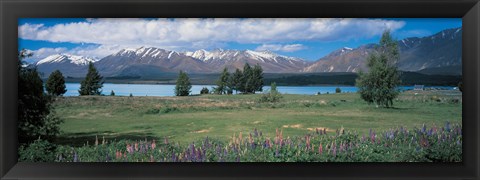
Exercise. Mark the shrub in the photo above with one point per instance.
(38, 151)
(112, 93)
(204, 90)
(271, 95)
(338, 90)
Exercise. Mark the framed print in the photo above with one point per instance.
(215, 89)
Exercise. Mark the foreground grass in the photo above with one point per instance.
(189, 119)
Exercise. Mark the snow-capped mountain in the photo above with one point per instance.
(232, 59)
(69, 65)
(153, 61)
(436, 54)
(149, 61)
(440, 53)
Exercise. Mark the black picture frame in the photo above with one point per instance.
(468, 10)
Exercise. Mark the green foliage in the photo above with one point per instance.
(38, 151)
(204, 91)
(36, 117)
(183, 85)
(272, 95)
(392, 145)
(112, 93)
(223, 83)
(236, 81)
(338, 90)
(460, 86)
(380, 84)
(248, 81)
(257, 77)
(131, 95)
(56, 84)
(93, 82)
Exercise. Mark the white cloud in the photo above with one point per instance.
(188, 34)
(175, 32)
(282, 48)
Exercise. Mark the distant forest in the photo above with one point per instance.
(408, 78)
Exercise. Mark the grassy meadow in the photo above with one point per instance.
(188, 119)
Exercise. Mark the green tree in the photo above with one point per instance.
(247, 80)
(112, 93)
(236, 81)
(257, 78)
(56, 84)
(93, 82)
(183, 85)
(36, 115)
(223, 82)
(380, 84)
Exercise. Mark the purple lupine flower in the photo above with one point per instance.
(142, 148)
(458, 142)
(255, 132)
(174, 157)
(430, 132)
(276, 152)
(75, 157)
(447, 126)
(424, 128)
(334, 151)
(107, 158)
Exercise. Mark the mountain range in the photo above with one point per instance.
(436, 54)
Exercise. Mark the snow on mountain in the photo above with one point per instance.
(60, 58)
(219, 54)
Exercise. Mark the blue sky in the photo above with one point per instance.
(309, 39)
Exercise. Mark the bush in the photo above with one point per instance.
(271, 95)
(38, 151)
(112, 93)
(338, 90)
(204, 91)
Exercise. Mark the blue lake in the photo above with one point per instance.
(168, 90)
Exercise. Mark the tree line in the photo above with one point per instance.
(246, 81)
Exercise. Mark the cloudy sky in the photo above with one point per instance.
(310, 39)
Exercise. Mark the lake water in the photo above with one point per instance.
(168, 90)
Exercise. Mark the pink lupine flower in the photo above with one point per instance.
(154, 145)
(320, 149)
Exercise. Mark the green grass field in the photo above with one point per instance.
(186, 119)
